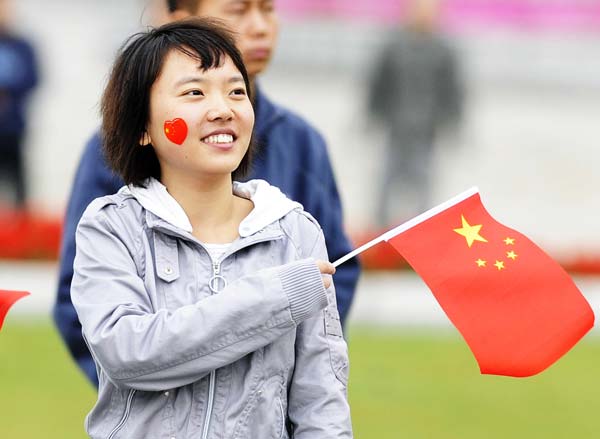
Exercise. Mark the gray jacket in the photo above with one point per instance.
(248, 346)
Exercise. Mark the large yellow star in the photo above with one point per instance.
(471, 233)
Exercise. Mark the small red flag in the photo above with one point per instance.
(7, 299)
(516, 308)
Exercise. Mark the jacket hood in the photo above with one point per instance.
(270, 204)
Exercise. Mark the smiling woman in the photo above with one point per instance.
(207, 304)
(177, 76)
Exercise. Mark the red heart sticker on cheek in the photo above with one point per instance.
(176, 130)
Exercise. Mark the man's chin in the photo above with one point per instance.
(256, 67)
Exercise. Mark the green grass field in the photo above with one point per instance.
(403, 385)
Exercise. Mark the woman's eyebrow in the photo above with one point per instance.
(236, 78)
(191, 79)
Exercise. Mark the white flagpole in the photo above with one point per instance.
(408, 224)
(360, 249)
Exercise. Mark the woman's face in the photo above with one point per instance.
(200, 122)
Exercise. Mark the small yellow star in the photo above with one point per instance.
(499, 265)
(471, 233)
(480, 262)
(509, 241)
(512, 255)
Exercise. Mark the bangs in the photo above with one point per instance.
(208, 57)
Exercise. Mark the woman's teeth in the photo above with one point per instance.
(218, 138)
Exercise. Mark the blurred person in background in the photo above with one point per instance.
(414, 90)
(18, 76)
(291, 155)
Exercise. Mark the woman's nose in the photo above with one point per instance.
(219, 109)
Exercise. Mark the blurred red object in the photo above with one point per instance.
(582, 264)
(380, 257)
(29, 235)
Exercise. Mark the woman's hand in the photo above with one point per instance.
(327, 270)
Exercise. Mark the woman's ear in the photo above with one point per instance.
(145, 140)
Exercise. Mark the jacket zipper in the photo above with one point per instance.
(211, 379)
(282, 418)
(211, 397)
(213, 283)
(125, 415)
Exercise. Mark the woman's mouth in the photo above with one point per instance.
(222, 141)
(218, 139)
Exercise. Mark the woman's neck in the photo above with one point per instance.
(210, 205)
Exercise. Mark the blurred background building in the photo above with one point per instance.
(529, 140)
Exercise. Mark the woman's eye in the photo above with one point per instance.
(195, 93)
(239, 92)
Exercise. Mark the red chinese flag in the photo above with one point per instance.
(7, 299)
(516, 308)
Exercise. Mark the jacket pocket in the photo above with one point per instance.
(338, 350)
(265, 413)
(177, 273)
(167, 257)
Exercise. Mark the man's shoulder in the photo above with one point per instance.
(295, 138)
(94, 143)
(289, 119)
(285, 124)
(93, 163)
(16, 40)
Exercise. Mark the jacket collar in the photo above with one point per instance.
(270, 205)
(155, 198)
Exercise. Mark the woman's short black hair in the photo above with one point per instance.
(125, 105)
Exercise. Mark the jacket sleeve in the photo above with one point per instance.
(93, 179)
(139, 348)
(325, 205)
(318, 404)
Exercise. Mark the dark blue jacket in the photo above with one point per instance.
(18, 75)
(291, 155)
